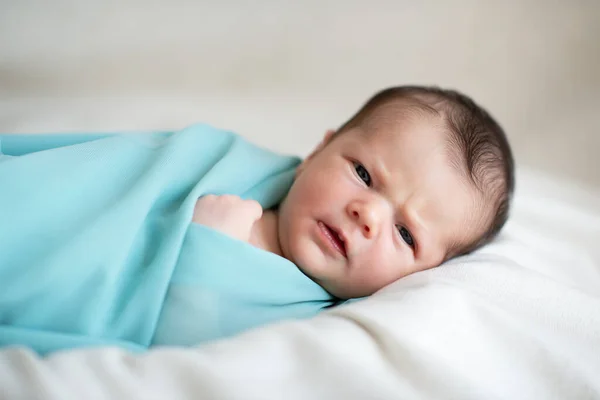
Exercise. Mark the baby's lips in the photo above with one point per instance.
(342, 237)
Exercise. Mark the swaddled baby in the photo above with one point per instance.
(176, 238)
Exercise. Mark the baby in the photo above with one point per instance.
(176, 238)
(418, 176)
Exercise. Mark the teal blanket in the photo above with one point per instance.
(97, 246)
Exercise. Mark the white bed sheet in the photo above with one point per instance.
(517, 320)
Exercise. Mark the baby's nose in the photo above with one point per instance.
(365, 216)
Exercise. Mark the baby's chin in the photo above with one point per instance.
(345, 291)
(318, 272)
(331, 287)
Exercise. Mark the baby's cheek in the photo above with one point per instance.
(385, 270)
(371, 283)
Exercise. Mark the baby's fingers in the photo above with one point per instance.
(254, 209)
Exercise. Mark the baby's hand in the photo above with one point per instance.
(228, 214)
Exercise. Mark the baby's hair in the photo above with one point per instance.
(479, 144)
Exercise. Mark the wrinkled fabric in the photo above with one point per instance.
(97, 246)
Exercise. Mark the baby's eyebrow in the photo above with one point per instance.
(417, 229)
(383, 174)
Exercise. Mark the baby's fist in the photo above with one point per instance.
(228, 214)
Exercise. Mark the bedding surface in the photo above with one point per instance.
(97, 244)
(517, 320)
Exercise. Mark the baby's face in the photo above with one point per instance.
(368, 208)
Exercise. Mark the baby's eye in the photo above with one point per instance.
(406, 236)
(363, 174)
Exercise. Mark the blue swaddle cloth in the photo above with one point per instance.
(97, 246)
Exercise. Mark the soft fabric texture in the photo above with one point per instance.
(97, 246)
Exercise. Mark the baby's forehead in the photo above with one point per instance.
(402, 124)
(456, 217)
(399, 111)
(414, 133)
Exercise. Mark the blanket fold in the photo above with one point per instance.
(97, 245)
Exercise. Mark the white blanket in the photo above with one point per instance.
(517, 320)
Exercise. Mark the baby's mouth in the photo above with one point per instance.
(335, 238)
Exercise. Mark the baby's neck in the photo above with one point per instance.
(264, 233)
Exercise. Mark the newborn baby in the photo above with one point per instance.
(418, 176)
(97, 248)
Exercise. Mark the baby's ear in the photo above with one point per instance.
(326, 139)
(328, 135)
(324, 142)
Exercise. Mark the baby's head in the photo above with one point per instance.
(417, 176)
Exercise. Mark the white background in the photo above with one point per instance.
(282, 72)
